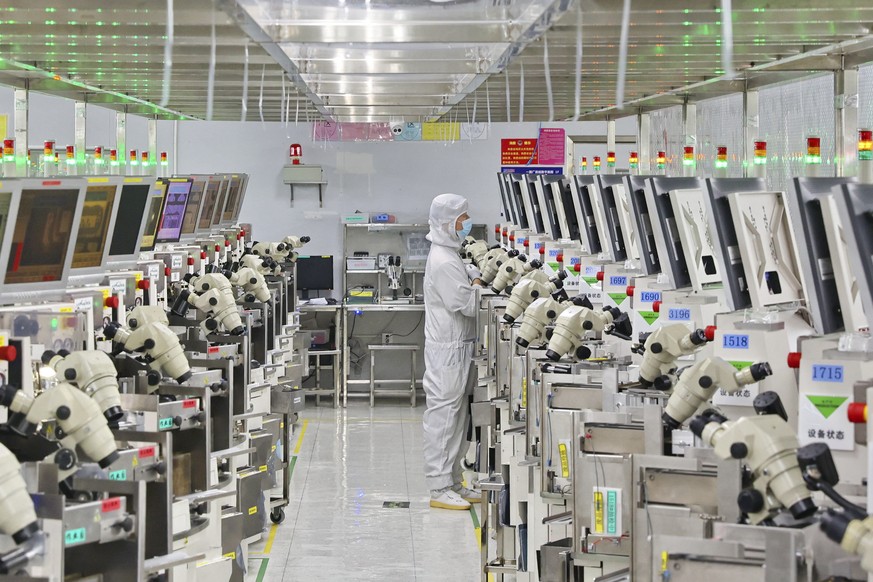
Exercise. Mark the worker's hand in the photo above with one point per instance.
(478, 282)
(473, 272)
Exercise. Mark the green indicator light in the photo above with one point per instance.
(813, 159)
(687, 162)
(54, 323)
(721, 164)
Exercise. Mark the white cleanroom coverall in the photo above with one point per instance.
(449, 333)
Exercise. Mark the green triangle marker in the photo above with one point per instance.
(740, 365)
(827, 404)
(650, 316)
(618, 297)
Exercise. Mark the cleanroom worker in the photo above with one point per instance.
(450, 301)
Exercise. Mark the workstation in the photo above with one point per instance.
(282, 284)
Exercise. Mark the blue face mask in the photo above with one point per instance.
(466, 227)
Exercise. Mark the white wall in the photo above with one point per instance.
(396, 177)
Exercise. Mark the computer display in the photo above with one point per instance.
(41, 237)
(536, 215)
(585, 211)
(220, 202)
(175, 202)
(508, 211)
(648, 250)
(234, 190)
(156, 204)
(195, 200)
(315, 273)
(204, 223)
(244, 184)
(127, 232)
(609, 209)
(551, 220)
(518, 197)
(94, 226)
(730, 264)
(565, 196)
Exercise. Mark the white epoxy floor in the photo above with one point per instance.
(349, 462)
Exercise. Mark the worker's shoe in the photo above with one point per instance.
(468, 495)
(447, 499)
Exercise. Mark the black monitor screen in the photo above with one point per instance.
(517, 193)
(128, 219)
(41, 236)
(315, 273)
(176, 201)
(569, 210)
(94, 225)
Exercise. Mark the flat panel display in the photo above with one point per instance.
(41, 237)
(94, 226)
(195, 200)
(129, 219)
(175, 202)
(156, 204)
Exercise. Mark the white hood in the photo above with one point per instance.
(444, 212)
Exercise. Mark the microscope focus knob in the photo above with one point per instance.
(587, 325)
(149, 344)
(252, 281)
(656, 348)
(750, 501)
(70, 374)
(211, 324)
(63, 412)
(177, 421)
(213, 301)
(65, 459)
(705, 381)
(739, 450)
(153, 378)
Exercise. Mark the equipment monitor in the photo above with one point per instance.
(155, 207)
(175, 203)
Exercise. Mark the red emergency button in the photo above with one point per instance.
(656, 306)
(167, 271)
(526, 243)
(599, 275)
(794, 360)
(505, 230)
(190, 261)
(242, 234)
(512, 238)
(226, 243)
(629, 291)
(709, 332)
(8, 353)
(202, 254)
(111, 302)
(857, 412)
(577, 267)
(542, 249)
(217, 248)
(143, 285)
(560, 258)
(497, 229)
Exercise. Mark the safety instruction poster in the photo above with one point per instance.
(550, 149)
(518, 152)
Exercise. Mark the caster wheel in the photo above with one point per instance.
(277, 516)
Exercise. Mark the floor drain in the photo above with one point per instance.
(395, 505)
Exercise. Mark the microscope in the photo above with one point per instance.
(252, 283)
(78, 417)
(491, 263)
(395, 272)
(148, 332)
(474, 250)
(767, 446)
(539, 314)
(94, 373)
(263, 265)
(855, 536)
(510, 271)
(667, 344)
(697, 384)
(17, 515)
(292, 243)
(575, 322)
(533, 285)
(212, 295)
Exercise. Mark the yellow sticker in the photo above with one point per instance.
(253, 510)
(66, 310)
(273, 449)
(97, 180)
(132, 180)
(2, 340)
(138, 276)
(524, 392)
(231, 555)
(664, 556)
(598, 512)
(262, 468)
(565, 461)
(106, 294)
